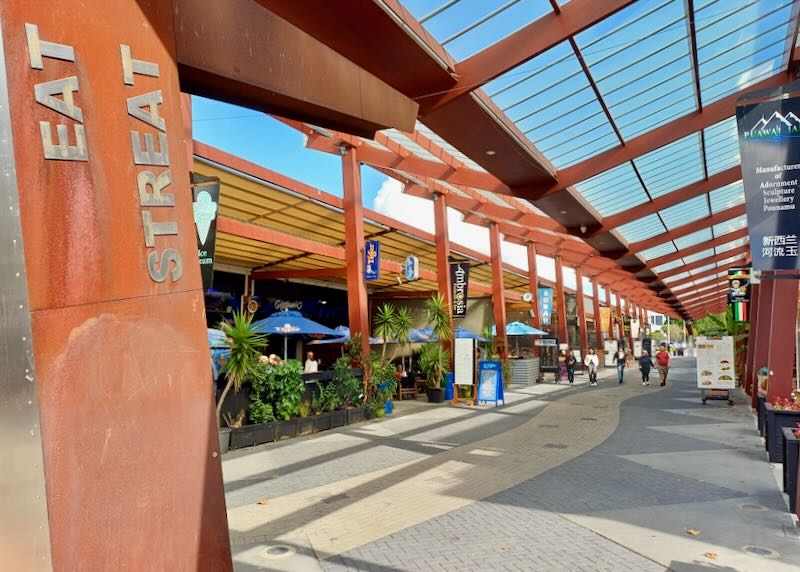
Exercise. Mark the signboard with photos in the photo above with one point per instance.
(715, 362)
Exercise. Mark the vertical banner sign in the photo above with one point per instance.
(571, 301)
(459, 278)
(605, 319)
(372, 260)
(739, 292)
(205, 204)
(769, 140)
(412, 268)
(545, 306)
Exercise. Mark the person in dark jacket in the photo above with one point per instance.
(571, 363)
(645, 363)
(619, 361)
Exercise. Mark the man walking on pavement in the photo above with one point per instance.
(662, 364)
(591, 361)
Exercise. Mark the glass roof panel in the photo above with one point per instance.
(731, 245)
(727, 197)
(641, 229)
(667, 266)
(739, 43)
(613, 191)
(672, 166)
(677, 277)
(694, 238)
(722, 146)
(465, 27)
(730, 225)
(727, 261)
(702, 269)
(641, 62)
(408, 143)
(656, 251)
(445, 146)
(685, 212)
(698, 256)
(551, 101)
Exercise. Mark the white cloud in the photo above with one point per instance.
(418, 212)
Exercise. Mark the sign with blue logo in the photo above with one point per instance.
(545, 306)
(490, 382)
(372, 260)
(412, 268)
(769, 141)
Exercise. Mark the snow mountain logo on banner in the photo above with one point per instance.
(776, 127)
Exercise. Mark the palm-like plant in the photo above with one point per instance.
(438, 315)
(384, 322)
(245, 344)
(402, 326)
(434, 361)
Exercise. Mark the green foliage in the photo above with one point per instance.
(304, 408)
(384, 323)
(245, 346)
(488, 345)
(261, 412)
(354, 352)
(434, 361)
(281, 386)
(438, 316)
(403, 322)
(326, 398)
(348, 387)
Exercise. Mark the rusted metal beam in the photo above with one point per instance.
(498, 287)
(689, 228)
(339, 272)
(330, 91)
(678, 196)
(521, 46)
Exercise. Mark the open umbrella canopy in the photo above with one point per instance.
(343, 333)
(216, 338)
(290, 322)
(520, 329)
(426, 335)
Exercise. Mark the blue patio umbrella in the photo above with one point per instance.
(343, 333)
(520, 329)
(220, 352)
(426, 334)
(288, 323)
(216, 338)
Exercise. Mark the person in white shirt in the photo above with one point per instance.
(311, 365)
(591, 361)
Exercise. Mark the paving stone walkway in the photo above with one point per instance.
(579, 478)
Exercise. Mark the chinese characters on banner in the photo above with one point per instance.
(769, 140)
(459, 278)
(739, 292)
(545, 306)
(372, 260)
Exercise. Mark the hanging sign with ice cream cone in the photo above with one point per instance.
(205, 197)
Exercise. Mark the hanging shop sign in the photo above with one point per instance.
(459, 278)
(205, 206)
(372, 260)
(571, 304)
(412, 268)
(769, 141)
(605, 318)
(739, 292)
(545, 306)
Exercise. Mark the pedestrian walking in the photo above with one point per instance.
(645, 363)
(619, 361)
(571, 363)
(561, 370)
(591, 361)
(662, 364)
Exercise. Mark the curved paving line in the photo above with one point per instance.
(344, 515)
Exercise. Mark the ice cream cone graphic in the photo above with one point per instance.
(205, 211)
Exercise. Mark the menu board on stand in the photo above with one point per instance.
(716, 373)
(609, 349)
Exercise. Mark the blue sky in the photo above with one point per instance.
(266, 141)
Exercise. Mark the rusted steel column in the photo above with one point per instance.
(598, 332)
(782, 332)
(762, 340)
(533, 284)
(498, 288)
(749, 370)
(442, 244)
(582, 332)
(620, 326)
(114, 289)
(560, 300)
(357, 303)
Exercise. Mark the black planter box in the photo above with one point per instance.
(762, 416)
(243, 437)
(354, 415)
(435, 394)
(777, 420)
(322, 422)
(265, 433)
(337, 418)
(791, 452)
(286, 429)
(306, 425)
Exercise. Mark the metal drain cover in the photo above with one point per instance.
(760, 551)
(278, 551)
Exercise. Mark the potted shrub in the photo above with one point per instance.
(434, 360)
(383, 379)
(245, 348)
